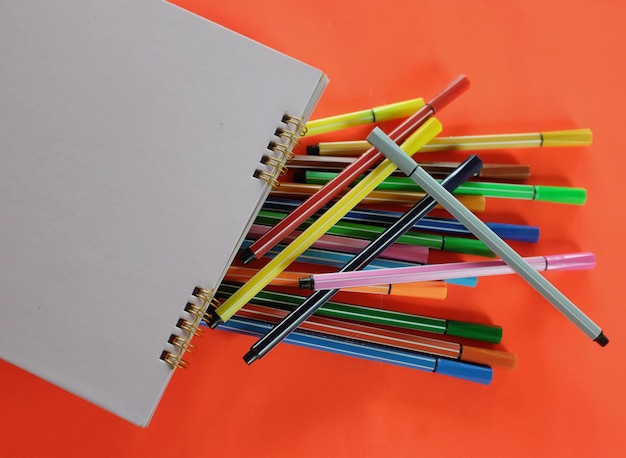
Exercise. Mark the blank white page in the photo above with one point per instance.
(129, 135)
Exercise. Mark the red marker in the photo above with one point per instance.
(350, 173)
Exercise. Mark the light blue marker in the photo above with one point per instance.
(412, 169)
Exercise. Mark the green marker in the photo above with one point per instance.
(370, 232)
(556, 194)
(481, 332)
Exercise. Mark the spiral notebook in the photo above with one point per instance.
(138, 143)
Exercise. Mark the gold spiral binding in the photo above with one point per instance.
(289, 136)
(205, 296)
(189, 327)
(197, 313)
(298, 122)
(284, 149)
(207, 316)
(268, 178)
(276, 163)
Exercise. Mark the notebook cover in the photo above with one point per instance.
(130, 133)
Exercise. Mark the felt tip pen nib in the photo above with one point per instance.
(602, 340)
(247, 256)
(212, 319)
(250, 357)
(313, 150)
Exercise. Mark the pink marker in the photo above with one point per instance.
(338, 280)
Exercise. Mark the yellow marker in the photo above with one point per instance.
(575, 137)
(377, 114)
(264, 276)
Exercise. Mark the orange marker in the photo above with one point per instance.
(424, 290)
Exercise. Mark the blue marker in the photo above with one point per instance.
(379, 353)
(389, 236)
(448, 226)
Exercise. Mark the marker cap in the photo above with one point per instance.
(571, 261)
(561, 195)
(460, 84)
(470, 282)
(466, 371)
(575, 137)
(429, 129)
(488, 357)
(436, 290)
(484, 333)
(397, 110)
(519, 233)
(467, 246)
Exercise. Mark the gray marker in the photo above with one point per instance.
(412, 169)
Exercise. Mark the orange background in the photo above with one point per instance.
(534, 65)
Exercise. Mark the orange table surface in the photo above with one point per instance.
(533, 65)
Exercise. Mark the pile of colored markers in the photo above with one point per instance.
(356, 216)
